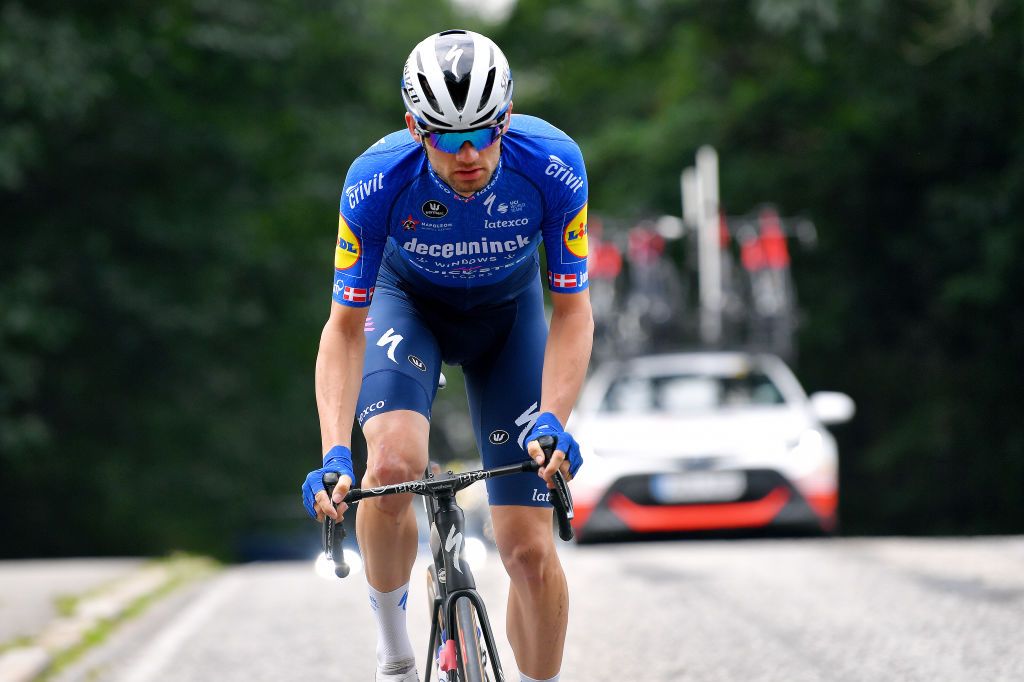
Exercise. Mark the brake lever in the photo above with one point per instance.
(561, 498)
(334, 533)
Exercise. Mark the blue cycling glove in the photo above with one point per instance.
(339, 460)
(547, 424)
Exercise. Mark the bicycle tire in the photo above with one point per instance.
(431, 596)
(467, 642)
(473, 659)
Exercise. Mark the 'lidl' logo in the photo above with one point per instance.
(347, 253)
(576, 234)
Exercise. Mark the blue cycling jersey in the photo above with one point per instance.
(464, 250)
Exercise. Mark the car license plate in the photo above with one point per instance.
(698, 486)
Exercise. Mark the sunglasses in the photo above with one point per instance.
(452, 142)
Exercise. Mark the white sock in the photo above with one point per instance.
(394, 650)
(527, 678)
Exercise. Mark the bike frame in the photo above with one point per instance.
(447, 538)
(454, 579)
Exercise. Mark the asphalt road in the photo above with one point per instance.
(29, 589)
(793, 610)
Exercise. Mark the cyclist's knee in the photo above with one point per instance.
(530, 559)
(397, 453)
(389, 465)
(525, 544)
(397, 445)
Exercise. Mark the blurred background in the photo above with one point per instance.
(170, 173)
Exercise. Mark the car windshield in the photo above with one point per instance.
(678, 393)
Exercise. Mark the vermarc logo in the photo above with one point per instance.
(434, 209)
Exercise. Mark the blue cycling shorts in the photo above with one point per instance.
(500, 347)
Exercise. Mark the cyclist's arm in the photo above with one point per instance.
(567, 353)
(566, 357)
(339, 368)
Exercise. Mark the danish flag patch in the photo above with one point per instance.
(566, 281)
(356, 295)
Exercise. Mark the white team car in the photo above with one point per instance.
(709, 441)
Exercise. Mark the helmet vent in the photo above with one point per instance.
(431, 98)
(433, 120)
(486, 117)
(488, 85)
(459, 90)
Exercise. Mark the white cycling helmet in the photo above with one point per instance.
(456, 80)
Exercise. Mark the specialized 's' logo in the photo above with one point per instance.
(453, 57)
(575, 235)
(347, 252)
(498, 437)
(434, 209)
(527, 419)
(390, 338)
(453, 544)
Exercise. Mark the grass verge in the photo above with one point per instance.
(182, 569)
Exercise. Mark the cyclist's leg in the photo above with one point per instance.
(399, 381)
(538, 596)
(386, 526)
(504, 392)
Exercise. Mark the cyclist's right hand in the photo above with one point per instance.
(314, 498)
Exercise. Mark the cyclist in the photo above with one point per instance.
(438, 241)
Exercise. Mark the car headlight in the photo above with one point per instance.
(809, 442)
(813, 455)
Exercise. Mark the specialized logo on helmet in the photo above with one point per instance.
(459, 49)
(575, 235)
(347, 253)
(410, 91)
(456, 79)
(454, 55)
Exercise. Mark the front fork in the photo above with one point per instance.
(450, 656)
(455, 583)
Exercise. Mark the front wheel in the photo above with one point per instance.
(473, 657)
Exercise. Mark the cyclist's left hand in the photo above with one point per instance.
(566, 457)
(314, 497)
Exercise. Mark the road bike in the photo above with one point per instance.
(458, 616)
